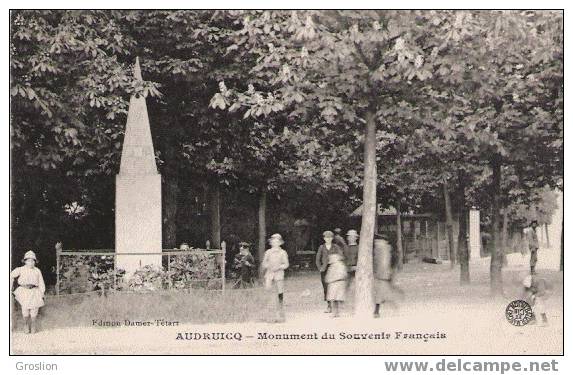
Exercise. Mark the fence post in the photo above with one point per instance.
(114, 274)
(224, 250)
(169, 270)
(57, 271)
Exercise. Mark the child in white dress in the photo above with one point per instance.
(30, 290)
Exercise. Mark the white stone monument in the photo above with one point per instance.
(474, 234)
(137, 192)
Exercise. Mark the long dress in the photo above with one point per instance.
(31, 289)
(336, 277)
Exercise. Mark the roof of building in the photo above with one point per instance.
(389, 211)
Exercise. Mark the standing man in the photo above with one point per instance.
(533, 244)
(326, 249)
(351, 255)
(351, 252)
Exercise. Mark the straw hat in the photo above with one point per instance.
(352, 233)
(277, 236)
(328, 234)
(30, 255)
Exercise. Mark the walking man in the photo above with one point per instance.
(533, 244)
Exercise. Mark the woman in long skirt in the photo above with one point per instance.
(336, 277)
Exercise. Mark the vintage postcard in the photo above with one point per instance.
(340, 182)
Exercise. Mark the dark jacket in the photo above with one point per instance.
(339, 240)
(351, 255)
(323, 253)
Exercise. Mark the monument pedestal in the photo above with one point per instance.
(138, 220)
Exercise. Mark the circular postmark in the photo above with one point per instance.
(518, 313)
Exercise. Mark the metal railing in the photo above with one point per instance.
(219, 255)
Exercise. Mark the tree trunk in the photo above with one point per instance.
(547, 236)
(215, 214)
(171, 194)
(504, 236)
(364, 298)
(463, 249)
(399, 245)
(496, 278)
(449, 224)
(262, 227)
(562, 234)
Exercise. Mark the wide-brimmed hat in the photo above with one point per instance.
(30, 255)
(328, 233)
(352, 232)
(277, 236)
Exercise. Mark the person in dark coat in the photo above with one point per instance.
(339, 240)
(351, 252)
(533, 243)
(385, 262)
(326, 249)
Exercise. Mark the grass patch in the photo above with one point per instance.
(189, 306)
(198, 306)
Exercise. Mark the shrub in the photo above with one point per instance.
(201, 270)
(86, 273)
(148, 277)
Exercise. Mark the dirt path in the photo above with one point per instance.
(472, 323)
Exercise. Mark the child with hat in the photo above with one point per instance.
(244, 263)
(274, 264)
(30, 290)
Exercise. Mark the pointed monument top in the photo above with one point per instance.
(137, 70)
(138, 156)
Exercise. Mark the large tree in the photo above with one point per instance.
(341, 71)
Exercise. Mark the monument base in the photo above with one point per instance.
(137, 221)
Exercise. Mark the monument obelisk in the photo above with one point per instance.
(137, 191)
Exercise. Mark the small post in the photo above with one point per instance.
(169, 269)
(58, 248)
(224, 250)
(114, 274)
